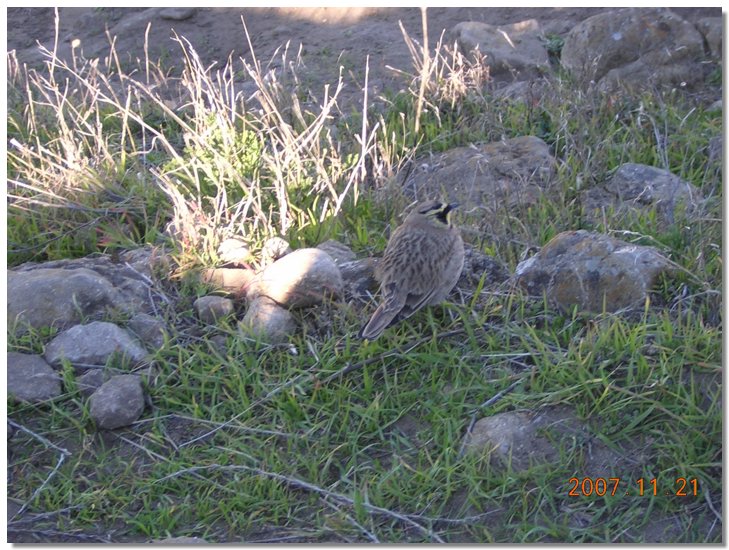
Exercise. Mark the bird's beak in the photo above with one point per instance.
(453, 206)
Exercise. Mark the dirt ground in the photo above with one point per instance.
(330, 37)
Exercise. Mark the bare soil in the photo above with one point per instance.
(330, 38)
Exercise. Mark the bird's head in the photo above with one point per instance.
(437, 211)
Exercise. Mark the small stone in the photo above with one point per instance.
(476, 264)
(118, 402)
(339, 252)
(306, 277)
(56, 297)
(31, 379)
(150, 330)
(520, 440)
(219, 342)
(716, 149)
(274, 249)
(212, 308)
(266, 320)
(177, 14)
(234, 251)
(94, 344)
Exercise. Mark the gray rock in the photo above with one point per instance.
(339, 252)
(266, 320)
(210, 309)
(487, 179)
(515, 49)
(92, 380)
(93, 344)
(233, 280)
(476, 264)
(359, 277)
(144, 262)
(64, 292)
(150, 330)
(306, 277)
(523, 439)
(57, 297)
(712, 28)
(177, 14)
(274, 249)
(529, 92)
(118, 402)
(637, 188)
(639, 47)
(591, 270)
(31, 379)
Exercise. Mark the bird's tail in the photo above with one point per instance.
(381, 319)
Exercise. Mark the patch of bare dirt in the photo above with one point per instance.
(330, 38)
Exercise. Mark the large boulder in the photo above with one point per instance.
(640, 47)
(592, 271)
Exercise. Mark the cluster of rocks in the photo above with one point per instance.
(630, 47)
(107, 361)
(590, 270)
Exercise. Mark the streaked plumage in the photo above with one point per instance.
(420, 266)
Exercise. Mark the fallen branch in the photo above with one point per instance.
(306, 486)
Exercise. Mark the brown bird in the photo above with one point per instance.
(421, 265)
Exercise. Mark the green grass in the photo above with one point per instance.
(294, 452)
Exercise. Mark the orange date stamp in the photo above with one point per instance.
(601, 486)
